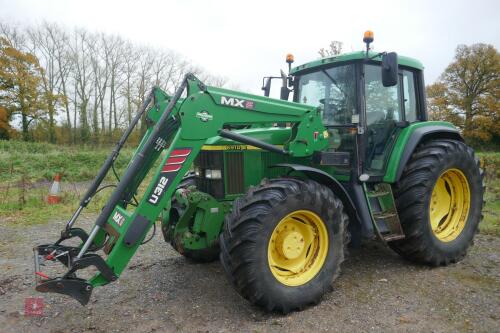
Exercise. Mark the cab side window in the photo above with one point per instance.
(383, 111)
(410, 96)
(382, 103)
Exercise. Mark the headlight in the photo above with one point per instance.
(213, 174)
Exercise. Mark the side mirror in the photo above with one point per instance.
(284, 93)
(390, 69)
(267, 87)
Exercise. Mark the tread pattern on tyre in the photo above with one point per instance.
(411, 194)
(245, 222)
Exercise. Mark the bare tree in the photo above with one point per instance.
(46, 49)
(93, 83)
(100, 59)
(114, 47)
(143, 81)
(129, 66)
(60, 40)
(14, 35)
(80, 55)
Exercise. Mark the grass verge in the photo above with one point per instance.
(35, 161)
(491, 210)
(31, 163)
(27, 170)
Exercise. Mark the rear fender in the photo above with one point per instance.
(421, 135)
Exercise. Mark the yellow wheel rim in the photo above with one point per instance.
(449, 206)
(298, 248)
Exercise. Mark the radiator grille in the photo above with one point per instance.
(210, 160)
(234, 173)
(214, 187)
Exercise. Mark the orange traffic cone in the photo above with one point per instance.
(54, 193)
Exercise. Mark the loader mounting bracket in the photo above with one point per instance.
(77, 288)
(69, 284)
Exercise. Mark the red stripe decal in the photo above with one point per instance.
(180, 152)
(171, 168)
(176, 160)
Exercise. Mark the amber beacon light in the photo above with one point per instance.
(368, 36)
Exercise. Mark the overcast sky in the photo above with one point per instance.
(245, 40)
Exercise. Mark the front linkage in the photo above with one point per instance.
(121, 239)
(181, 127)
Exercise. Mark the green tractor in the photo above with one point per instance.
(277, 189)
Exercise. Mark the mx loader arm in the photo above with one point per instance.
(177, 129)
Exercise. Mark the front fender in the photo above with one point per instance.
(324, 178)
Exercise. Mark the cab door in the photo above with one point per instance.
(387, 111)
(384, 115)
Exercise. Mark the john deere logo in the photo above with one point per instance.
(204, 116)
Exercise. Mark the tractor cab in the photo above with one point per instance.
(362, 108)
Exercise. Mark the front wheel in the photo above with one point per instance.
(439, 199)
(283, 243)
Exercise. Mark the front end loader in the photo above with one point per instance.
(181, 127)
(276, 189)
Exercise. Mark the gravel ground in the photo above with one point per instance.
(161, 291)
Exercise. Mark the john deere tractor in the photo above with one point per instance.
(277, 188)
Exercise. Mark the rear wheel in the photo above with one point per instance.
(203, 255)
(439, 200)
(283, 243)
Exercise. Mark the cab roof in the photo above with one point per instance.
(358, 55)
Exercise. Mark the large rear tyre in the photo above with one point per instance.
(439, 200)
(201, 256)
(283, 243)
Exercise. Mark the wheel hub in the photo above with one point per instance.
(290, 244)
(298, 248)
(449, 205)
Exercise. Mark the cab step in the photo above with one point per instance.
(384, 216)
(377, 194)
(383, 212)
